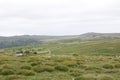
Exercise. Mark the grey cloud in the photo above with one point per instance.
(59, 17)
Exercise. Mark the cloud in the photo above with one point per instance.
(58, 17)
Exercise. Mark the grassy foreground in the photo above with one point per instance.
(98, 60)
(59, 67)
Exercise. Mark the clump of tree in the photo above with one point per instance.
(21, 52)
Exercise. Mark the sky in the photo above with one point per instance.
(58, 17)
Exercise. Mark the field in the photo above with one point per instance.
(91, 60)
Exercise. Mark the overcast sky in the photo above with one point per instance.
(58, 17)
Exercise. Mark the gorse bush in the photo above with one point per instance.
(117, 65)
(106, 78)
(26, 67)
(26, 72)
(75, 72)
(80, 78)
(84, 78)
(69, 63)
(7, 72)
(39, 69)
(108, 66)
(92, 68)
(62, 68)
(49, 69)
(7, 66)
(35, 63)
(13, 77)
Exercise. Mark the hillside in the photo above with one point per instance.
(89, 60)
(23, 40)
(32, 39)
(107, 48)
(83, 60)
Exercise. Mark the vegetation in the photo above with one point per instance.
(89, 60)
(6, 42)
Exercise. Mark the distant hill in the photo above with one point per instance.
(31, 39)
(22, 40)
(107, 35)
(90, 37)
(100, 36)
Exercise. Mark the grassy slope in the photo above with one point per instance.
(42, 67)
(89, 62)
(90, 48)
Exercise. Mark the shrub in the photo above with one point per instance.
(2, 62)
(111, 71)
(92, 68)
(7, 72)
(49, 69)
(106, 78)
(75, 54)
(70, 63)
(108, 66)
(61, 68)
(13, 77)
(26, 72)
(117, 65)
(35, 63)
(7, 66)
(79, 78)
(75, 72)
(39, 69)
(26, 67)
(85, 78)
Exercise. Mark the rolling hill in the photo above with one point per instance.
(32, 39)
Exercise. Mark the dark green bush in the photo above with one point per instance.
(39, 69)
(7, 72)
(92, 68)
(25, 67)
(26, 72)
(13, 77)
(80, 78)
(49, 69)
(75, 54)
(117, 65)
(35, 63)
(84, 78)
(7, 66)
(70, 63)
(108, 66)
(62, 68)
(106, 78)
(75, 72)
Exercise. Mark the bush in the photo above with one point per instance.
(26, 72)
(13, 77)
(75, 72)
(106, 78)
(70, 63)
(35, 63)
(61, 68)
(84, 78)
(75, 54)
(111, 71)
(7, 66)
(7, 72)
(117, 65)
(80, 78)
(39, 69)
(49, 69)
(26, 67)
(108, 66)
(92, 68)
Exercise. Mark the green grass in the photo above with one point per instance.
(94, 60)
(81, 67)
